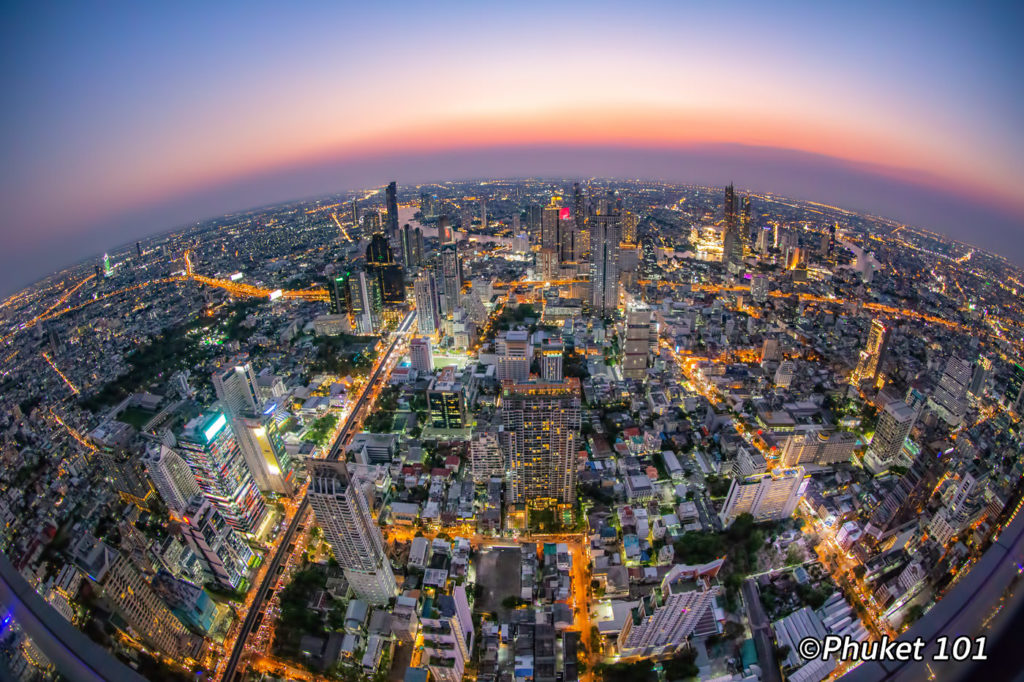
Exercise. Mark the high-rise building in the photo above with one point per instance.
(451, 277)
(636, 348)
(366, 303)
(665, 620)
(171, 477)
(489, 450)
(551, 237)
(447, 633)
(138, 249)
(604, 263)
(745, 218)
(872, 356)
(949, 400)
(819, 447)
(343, 511)
(980, 377)
(545, 420)
(1013, 396)
(224, 555)
(261, 441)
(208, 447)
(409, 247)
(355, 211)
(421, 355)
(381, 265)
(339, 293)
(117, 457)
(770, 496)
(894, 425)
(391, 196)
(107, 269)
(446, 401)
(236, 389)
(630, 222)
(514, 356)
(428, 317)
(579, 208)
(551, 360)
(534, 222)
(759, 288)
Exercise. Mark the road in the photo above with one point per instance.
(370, 392)
(761, 631)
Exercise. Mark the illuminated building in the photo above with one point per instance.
(745, 218)
(117, 458)
(451, 278)
(223, 553)
(339, 293)
(171, 476)
(980, 377)
(421, 355)
(894, 425)
(514, 356)
(262, 444)
(391, 197)
(489, 450)
(533, 222)
(604, 263)
(343, 511)
(428, 317)
(366, 303)
(208, 446)
(545, 420)
(381, 266)
(785, 373)
(551, 360)
(871, 357)
(732, 237)
(636, 348)
(550, 233)
(666, 619)
(107, 269)
(770, 496)
(236, 389)
(446, 401)
(447, 630)
(819, 447)
(949, 400)
(630, 221)
(649, 259)
(1014, 393)
(759, 288)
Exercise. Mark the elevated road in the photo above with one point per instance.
(366, 398)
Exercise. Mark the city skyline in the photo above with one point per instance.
(856, 111)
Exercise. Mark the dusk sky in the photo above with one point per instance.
(122, 120)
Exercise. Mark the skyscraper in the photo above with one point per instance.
(980, 377)
(171, 477)
(604, 263)
(759, 288)
(579, 208)
(381, 265)
(545, 420)
(551, 360)
(630, 221)
(451, 277)
(894, 425)
(533, 223)
(871, 357)
(514, 356)
(339, 293)
(366, 303)
(223, 553)
(208, 446)
(236, 389)
(550, 228)
(428, 318)
(636, 349)
(729, 206)
(949, 400)
(1013, 396)
(344, 512)
(446, 401)
(391, 196)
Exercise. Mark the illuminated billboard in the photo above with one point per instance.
(215, 427)
(276, 294)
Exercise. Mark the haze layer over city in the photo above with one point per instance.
(683, 360)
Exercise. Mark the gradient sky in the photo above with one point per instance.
(125, 119)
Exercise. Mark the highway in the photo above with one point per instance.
(337, 450)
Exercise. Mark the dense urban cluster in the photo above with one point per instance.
(510, 430)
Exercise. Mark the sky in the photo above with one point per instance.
(122, 120)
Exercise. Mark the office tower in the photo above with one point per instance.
(979, 380)
(819, 447)
(872, 356)
(489, 449)
(765, 240)
(446, 401)
(649, 259)
(832, 239)
(534, 222)
(551, 360)
(483, 212)
(785, 373)
(171, 477)
(339, 293)
(451, 275)
(425, 203)
(759, 288)
(119, 462)
(391, 196)
(366, 303)
(630, 221)
(604, 263)
(894, 425)
(569, 245)
(550, 228)
(770, 351)
(99, 274)
(343, 511)
(371, 222)
(355, 211)
(409, 247)
(126, 590)
(949, 400)
(666, 619)
(545, 420)
(745, 218)
(236, 389)
(1013, 396)
(107, 269)
(428, 318)
(547, 263)
(579, 208)
(445, 234)
(732, 246)
(138, 249)
(223, 553)
(418, 250)
(208, 446)
(729, 206)
(381, 265)
(637, 346)
(770, 496)
(421, 355)
(514, 355)
(260, 439)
